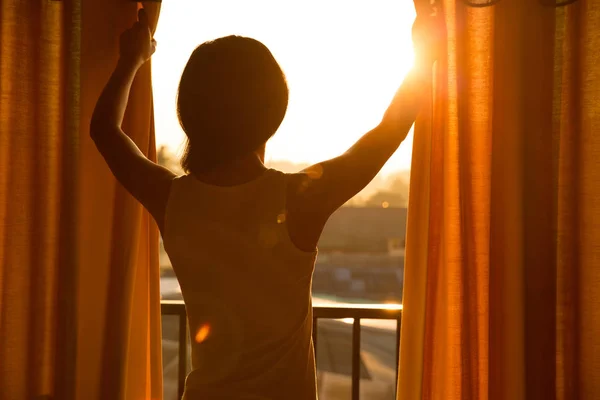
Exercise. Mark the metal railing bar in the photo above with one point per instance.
(182, 369)
(398, 327)
(176, 307)
(356, 359)
(356, 312)
(172, 307)
(314, 336)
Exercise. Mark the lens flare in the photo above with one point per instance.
(315, 171)
(202, 333)
(281, 218)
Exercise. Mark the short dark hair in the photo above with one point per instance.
(232, 98)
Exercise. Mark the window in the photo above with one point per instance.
(344, 60)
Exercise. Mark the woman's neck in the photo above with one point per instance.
(238, 172)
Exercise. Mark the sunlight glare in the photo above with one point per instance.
(344, 60)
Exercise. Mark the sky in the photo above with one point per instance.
(343, 59)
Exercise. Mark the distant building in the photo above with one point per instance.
(365, 230)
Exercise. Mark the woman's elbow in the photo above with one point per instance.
(96, 128)
(99, 129)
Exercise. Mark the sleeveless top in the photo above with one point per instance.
(246, 288)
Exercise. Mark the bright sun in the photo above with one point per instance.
(344, 60)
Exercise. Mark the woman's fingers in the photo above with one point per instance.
(143, 16)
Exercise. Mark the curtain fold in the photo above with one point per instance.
(79, 280)
(39, 136)
(502, 275)
(119, 244)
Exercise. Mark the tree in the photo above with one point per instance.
(395, 193)
(399, 183)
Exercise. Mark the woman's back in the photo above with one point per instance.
(246, 288)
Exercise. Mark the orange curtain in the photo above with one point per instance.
(39, 139)
(502, 275)
(79, 281)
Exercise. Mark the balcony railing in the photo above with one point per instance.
(356, 314)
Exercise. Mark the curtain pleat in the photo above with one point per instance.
(38, 138)
(120, 244)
